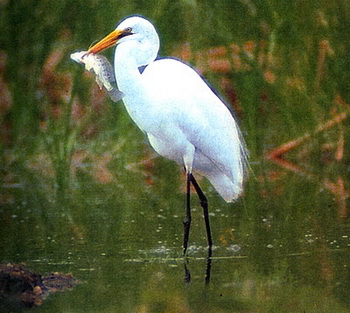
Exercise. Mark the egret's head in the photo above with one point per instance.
(139, 32)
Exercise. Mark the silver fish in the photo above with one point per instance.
(100, 66)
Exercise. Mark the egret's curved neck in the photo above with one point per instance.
(131, 53)
(127, 74)
(131, 83)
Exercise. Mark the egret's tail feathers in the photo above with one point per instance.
(228, 190)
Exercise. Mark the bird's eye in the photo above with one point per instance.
(128, 30)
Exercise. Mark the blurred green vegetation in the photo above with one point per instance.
(304, 45)
(287, 76)
(293, 33)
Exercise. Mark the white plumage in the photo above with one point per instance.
(182, 117)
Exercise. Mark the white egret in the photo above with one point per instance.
(182, 117)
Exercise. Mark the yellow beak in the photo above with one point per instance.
(108, 41)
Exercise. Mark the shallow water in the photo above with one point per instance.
(284, 246)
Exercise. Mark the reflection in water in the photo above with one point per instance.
(285, 243)
(297, 248)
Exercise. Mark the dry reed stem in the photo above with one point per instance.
(286, 147)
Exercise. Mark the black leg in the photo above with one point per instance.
(187, 221)
(187, 273)
(204, 204)
(208, 269)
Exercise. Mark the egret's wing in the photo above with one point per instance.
(204, 120)
(215, 135)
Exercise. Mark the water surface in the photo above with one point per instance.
(284, 246)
